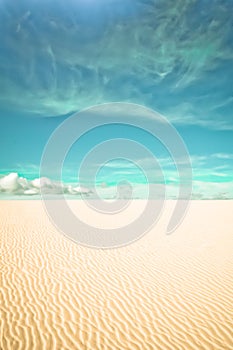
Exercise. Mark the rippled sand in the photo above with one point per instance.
(162, 292)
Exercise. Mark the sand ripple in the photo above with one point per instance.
(162, 292)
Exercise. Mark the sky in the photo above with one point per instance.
(174, 57)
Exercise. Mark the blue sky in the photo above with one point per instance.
(58, 57)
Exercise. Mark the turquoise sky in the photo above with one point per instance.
(58, 57)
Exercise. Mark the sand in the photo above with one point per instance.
(161, 292)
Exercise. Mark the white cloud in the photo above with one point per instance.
(16, 185)
(223, 156)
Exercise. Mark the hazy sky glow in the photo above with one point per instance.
(58, 57)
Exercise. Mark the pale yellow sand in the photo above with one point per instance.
(162, 292)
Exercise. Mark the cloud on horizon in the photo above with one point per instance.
(12, 185)
(212, 178)
(17, 185)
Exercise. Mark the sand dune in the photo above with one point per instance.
(161, 292)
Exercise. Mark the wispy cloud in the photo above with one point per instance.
(228, 156)
(54, 62)
(191, 114)
(216, 167)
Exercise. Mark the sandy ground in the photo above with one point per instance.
(161, 292)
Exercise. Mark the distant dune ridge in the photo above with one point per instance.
(161, 292)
